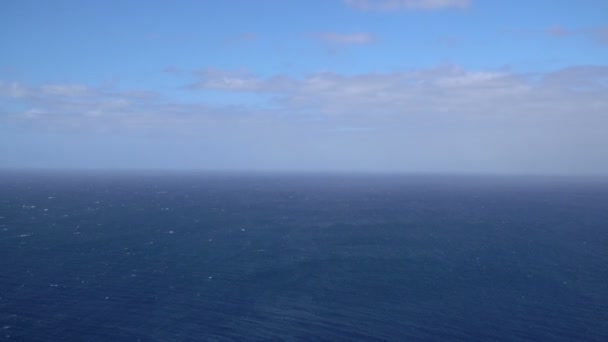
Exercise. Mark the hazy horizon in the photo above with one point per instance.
(303, 174)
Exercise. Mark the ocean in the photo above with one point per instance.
(186, 256)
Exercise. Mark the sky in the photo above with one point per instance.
(440, 86)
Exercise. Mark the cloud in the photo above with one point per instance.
(557, 31)
(398, 5)
(445, 118)
(238, 81)
(333, 38)
(228, 80)
(64, 90)
(432, 91)
(597, 34)
(574, 91)
(65, 105)
(242, 38)
(448, 41)
(13, 90)
(170, 39)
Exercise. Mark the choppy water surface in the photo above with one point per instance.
(210, 257)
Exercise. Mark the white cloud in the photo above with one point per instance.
(448, 118)
(71, 104)
(463, 93)
(238, 80)
(443, 89)
(396, 5)
(228, 80)
(64, 90)
(444, 118)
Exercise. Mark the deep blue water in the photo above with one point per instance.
(210, 257)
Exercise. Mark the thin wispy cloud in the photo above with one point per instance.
(334, 38)
(237, 81)
(70, 105)
(558, 31)
(598, 35)
(444, 89)
(12, 90)
(170, 38)
(68, 90)
(242, 38)
(398, 5)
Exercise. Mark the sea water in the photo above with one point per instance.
(186, 256)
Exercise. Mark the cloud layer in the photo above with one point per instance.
(444, 118)
(397, 5)
(334, 38)
(447, 89)
(598, 34)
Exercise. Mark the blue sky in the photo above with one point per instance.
(323, 85)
